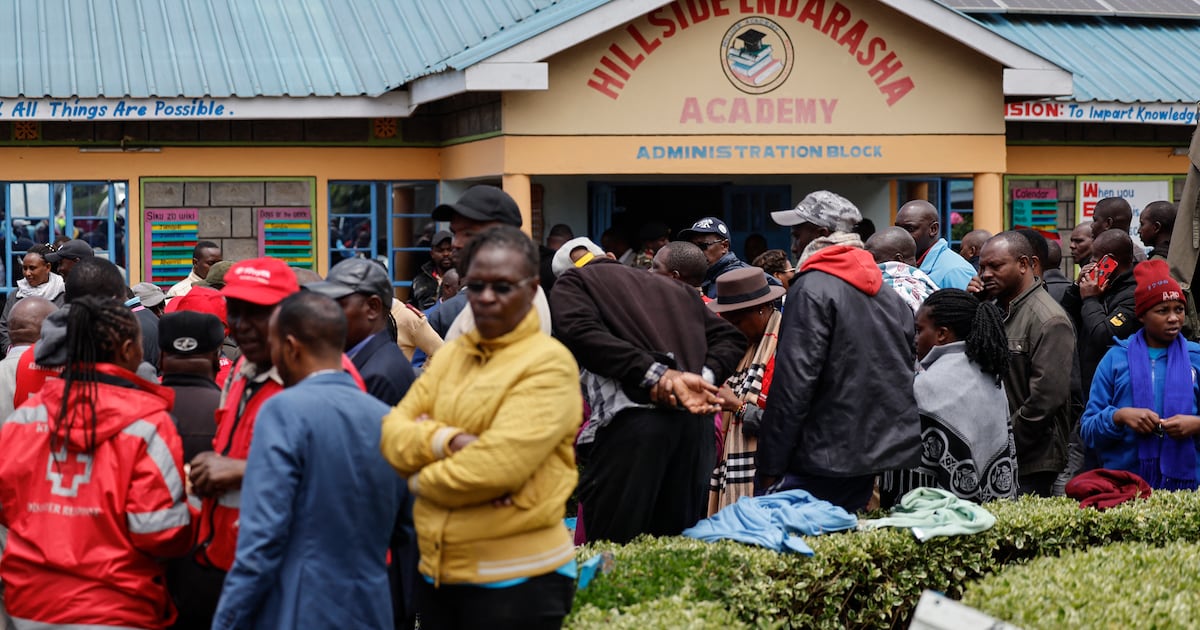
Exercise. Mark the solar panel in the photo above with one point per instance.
(1156, 8)
(1088, 7)
(974, 5)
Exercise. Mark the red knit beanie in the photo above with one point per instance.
(1154, 286)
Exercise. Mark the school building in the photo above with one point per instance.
(316, 130)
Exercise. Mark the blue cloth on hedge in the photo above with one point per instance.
(1165, 461)
(769, 521)
(933, 512)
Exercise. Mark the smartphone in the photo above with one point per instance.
(1103, 270)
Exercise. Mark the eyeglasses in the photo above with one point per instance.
(704, 246)
(499, 288)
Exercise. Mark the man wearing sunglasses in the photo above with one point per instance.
(711, 235)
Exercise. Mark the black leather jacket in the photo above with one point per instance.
(1098, 319)
(842, 402)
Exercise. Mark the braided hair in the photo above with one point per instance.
(979, 324)
(96, 329)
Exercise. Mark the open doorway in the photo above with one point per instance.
(679, 206)
(626, 207)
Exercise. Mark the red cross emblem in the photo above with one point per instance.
(67, 471)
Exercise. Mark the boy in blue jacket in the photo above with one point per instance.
(1141, 415)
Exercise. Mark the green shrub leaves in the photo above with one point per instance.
(856, 579)
(1124, 585)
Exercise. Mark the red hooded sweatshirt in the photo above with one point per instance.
(87, 528)
(853, 265)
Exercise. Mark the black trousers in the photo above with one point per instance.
(196, 590)
(538, 603)
(647, 473)
(849, 493)
(1039, 483)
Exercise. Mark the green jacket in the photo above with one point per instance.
(1041, 344)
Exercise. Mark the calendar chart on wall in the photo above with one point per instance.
(286, 234)
(170, 237)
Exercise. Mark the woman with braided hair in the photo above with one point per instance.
(91, 483)
(967, 441)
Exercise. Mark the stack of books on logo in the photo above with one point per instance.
(753, 61)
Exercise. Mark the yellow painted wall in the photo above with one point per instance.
(481, 158)
(652, 155)
(323, 164)
(1081, 160)
(668, 73)
(547, 155)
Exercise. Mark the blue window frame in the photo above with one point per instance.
(385, 221)
(954, 198)
(42, 212)
(959, 212)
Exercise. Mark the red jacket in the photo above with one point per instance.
(87, 530)
(31, 376)
(216, 528)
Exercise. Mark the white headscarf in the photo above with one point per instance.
(50, 289)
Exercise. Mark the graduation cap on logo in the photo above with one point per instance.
(752, 40)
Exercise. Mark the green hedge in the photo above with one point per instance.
(1126, 585)
(858, 579)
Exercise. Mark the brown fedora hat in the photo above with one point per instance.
(743, 288)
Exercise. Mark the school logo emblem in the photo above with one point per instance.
(756, 55)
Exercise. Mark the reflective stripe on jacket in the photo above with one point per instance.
(89, 520)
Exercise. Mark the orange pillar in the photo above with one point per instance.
(518, 187)
(989, 202)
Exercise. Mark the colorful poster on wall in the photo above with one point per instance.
(286, 234)
(1137, 191)
(170, 236)
(1036, 208)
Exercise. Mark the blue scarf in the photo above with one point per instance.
(1166, 463)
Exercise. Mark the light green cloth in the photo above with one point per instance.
(931, 512)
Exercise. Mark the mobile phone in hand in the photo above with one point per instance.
(1103, 270)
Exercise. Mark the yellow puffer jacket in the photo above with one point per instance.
(519, 393)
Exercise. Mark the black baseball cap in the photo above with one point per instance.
(190, 332)
(355, 275)
(707, 225)
(74, 249)
(442, 235)
(482, 203)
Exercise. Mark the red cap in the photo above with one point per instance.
(201, 300)
(1154, 286)
(262, 281)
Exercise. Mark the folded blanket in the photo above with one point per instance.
(1104, 488)
(768, 521)
(932, 512)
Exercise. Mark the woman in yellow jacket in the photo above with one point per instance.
(485, 438)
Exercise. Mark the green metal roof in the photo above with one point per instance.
(247, 48)
(1113, 59)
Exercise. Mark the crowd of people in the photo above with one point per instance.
(258, 446)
